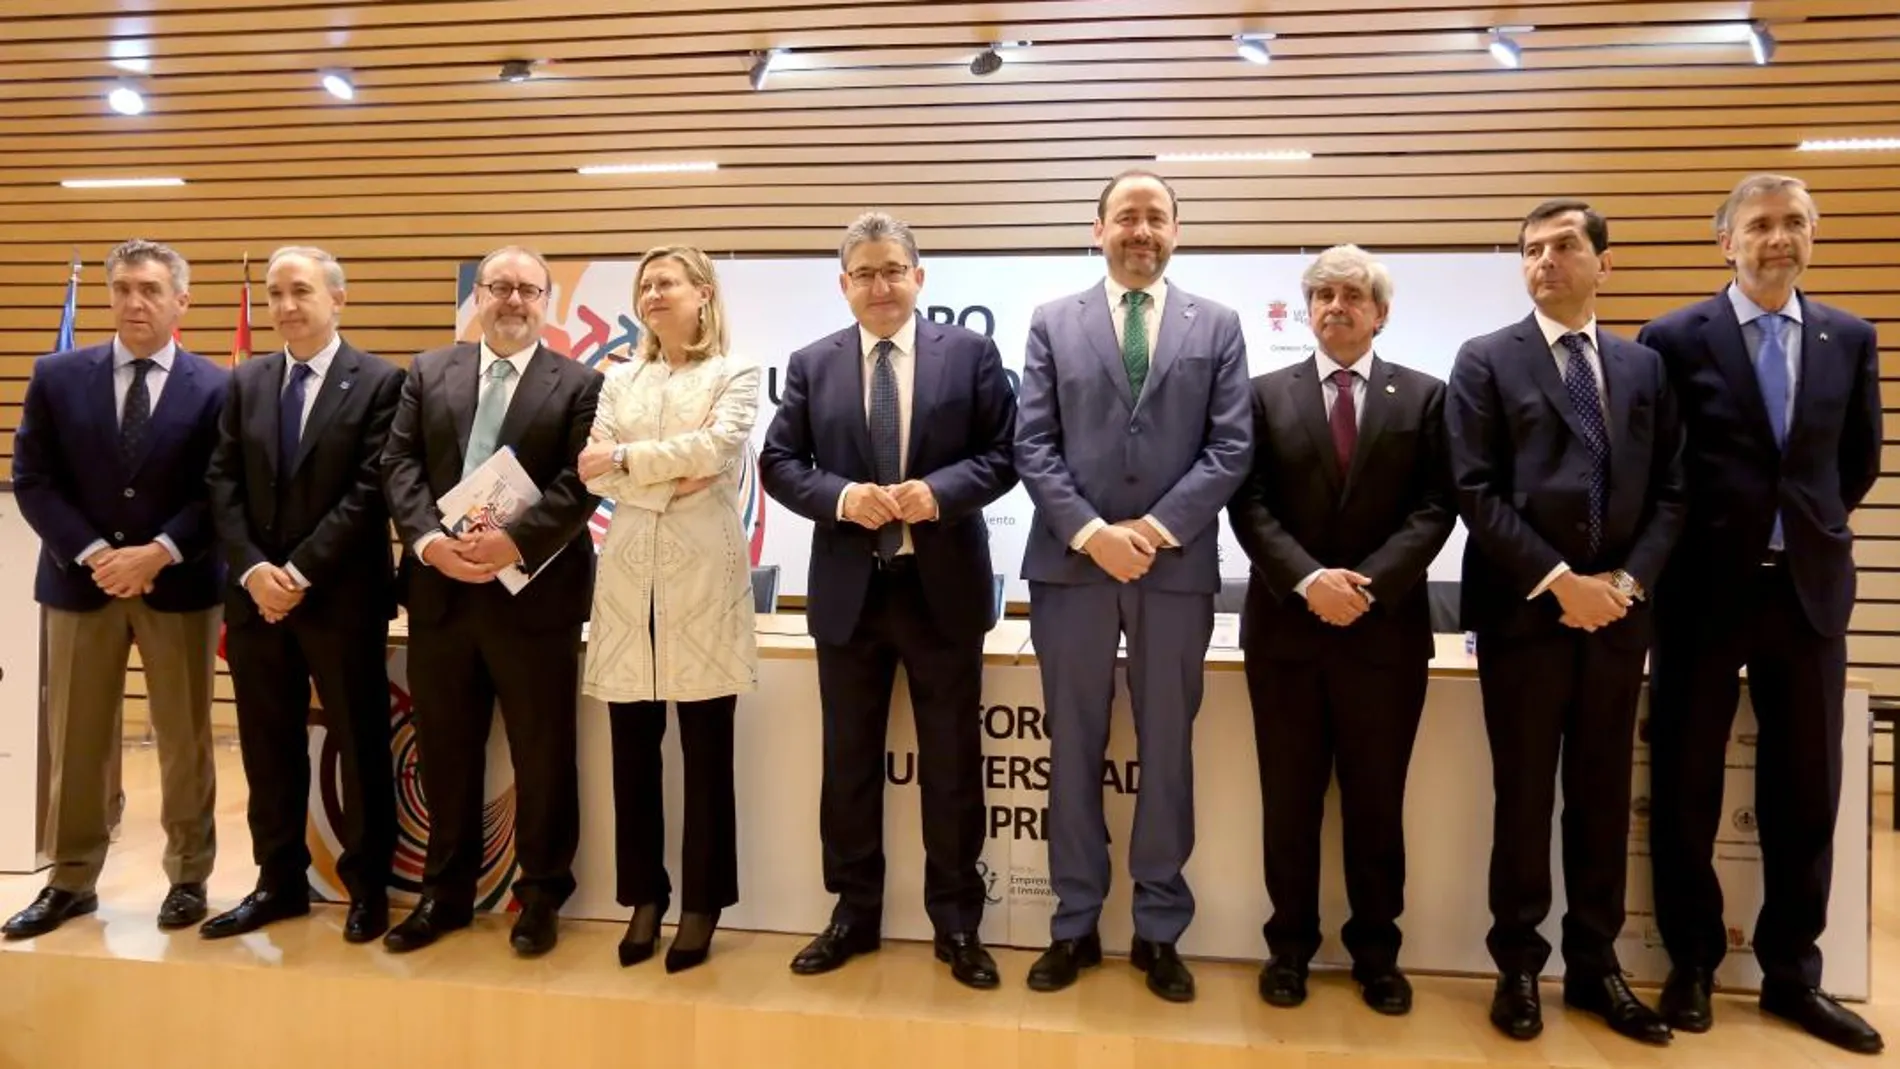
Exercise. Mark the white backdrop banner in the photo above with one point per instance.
(21, 743)
(777, 306)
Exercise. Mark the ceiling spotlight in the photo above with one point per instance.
(1252, 47)
(517, 70)
(338, 85)
(126, 100)
(763, 63)
(1761, 43)
(1505, 50)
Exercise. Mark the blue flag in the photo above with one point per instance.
(69, 318)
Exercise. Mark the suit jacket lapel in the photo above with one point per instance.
(459, 382)
(535, 387)
(1723, 335)
(847, 383)
(268, 386)
(1372, 420)
(1817, 358)
(102, 395)
(926, 381)
(1543, 367)
(330, 394)
(1620, 387)
(1098, 325)
(1177, 321)
(1309, 400)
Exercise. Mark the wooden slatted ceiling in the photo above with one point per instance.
(1651, 110)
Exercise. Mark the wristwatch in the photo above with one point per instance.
(1625, 584)
(620, 456)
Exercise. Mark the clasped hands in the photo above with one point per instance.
(128, 572)
(1589, 601)
(1125, 550)
(872, 506)
(1339, 596)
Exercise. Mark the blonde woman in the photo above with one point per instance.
(673, 616)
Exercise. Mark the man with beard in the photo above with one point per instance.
(1133, 433)
(1781, 399)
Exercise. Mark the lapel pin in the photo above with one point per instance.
(1824, 335)
(344, 385)
(1389, 388)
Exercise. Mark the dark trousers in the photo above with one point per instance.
(854, 685)
(458, 668)
(272, 667)
(709, 840)
(1570, 693)
(1796, 683)
(1307, 717)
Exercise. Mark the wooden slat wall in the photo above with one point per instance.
(1651, 110)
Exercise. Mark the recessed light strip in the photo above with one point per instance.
(120, 183)
(1280, 156)
(682, 167)
(1851, 144)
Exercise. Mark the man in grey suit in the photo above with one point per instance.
(1134, 431)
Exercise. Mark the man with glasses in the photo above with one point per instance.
(892, 436)
(470, 641)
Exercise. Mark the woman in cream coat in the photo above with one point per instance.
(673, 617)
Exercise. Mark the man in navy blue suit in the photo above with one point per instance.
(1781, 399)
(1567, 456)
(109, 469)
(892, 436)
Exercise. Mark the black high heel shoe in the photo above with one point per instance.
(643, 933)
(692, 942)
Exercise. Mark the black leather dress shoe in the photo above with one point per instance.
(1822, 1017)
(258, 908)
(969, 963)
(834, 946)
(51, 909)
(425, 924)
(1385, 989)
(183, 907)
(1516, 1008)
(1168, 975)
(1282, 983)
(367, 919)
(1064, 961)
(1685, 1000)
(536, 930)
(1610, 998)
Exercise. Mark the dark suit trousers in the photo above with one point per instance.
(458, 668)
(1568, 693)
(272, 666)
(1796, 679)
(709, 839)
(854, 685)
(1307, 716)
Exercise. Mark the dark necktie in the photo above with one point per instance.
(1771, 372)
(137, 417)
(886, 456)
(1344, 420)
(290, 418)
(1135, 342)
(1581, 384)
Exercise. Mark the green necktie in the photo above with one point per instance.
(490, 410)
(1135, 342)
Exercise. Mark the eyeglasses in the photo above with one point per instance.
(502, 290)
(892, 274)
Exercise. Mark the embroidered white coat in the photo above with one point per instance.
(682, 559)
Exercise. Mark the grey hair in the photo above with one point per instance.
(1348, 263)
(332, 270)
(1756, 185)
(546, 271)
(140, 251)
(876, 226)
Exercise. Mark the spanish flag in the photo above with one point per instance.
(241, 339)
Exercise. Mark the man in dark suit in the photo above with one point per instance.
(296, 492)
(109, 470)
(1133, 434)
(892, 436)
(1781, 400)
(1348, 503)
(1567, 455)
(470, 641)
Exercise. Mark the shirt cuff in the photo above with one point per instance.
(1300, 587)
(1167, 539)
(841, 497)
(297, 577)
(423, 543)
(97, 545)
(1087, 532)
(171, 548)
(244, 580)
(1560, 569)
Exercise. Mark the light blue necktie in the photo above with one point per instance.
(1771, 372)
(886, 456)
(489, 412)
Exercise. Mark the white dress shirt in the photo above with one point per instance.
(904, 366)
(520, 361)
(1326, 367)
(122, 376)
(319, 366)
(1118, 312)
(1553, 335)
